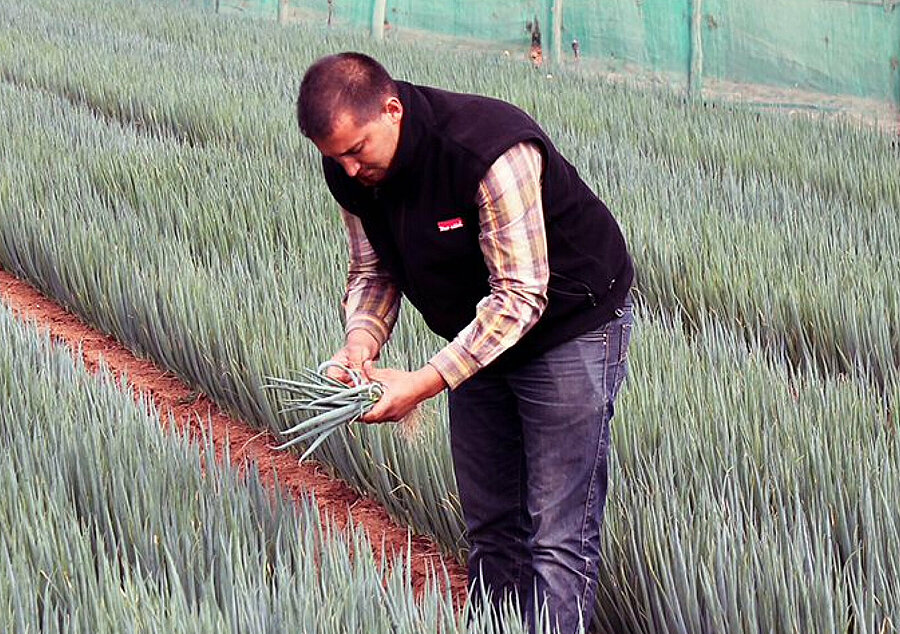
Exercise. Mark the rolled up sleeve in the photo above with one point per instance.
(371, 301)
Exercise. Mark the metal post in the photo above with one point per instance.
(556, 24)
(379, 10)
(695, 70)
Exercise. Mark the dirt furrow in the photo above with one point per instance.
(243, 444)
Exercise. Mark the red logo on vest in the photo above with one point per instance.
(449, 225)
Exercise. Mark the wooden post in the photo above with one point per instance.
(379, 10)
(282, 11)
(695, 70)
(556, 24)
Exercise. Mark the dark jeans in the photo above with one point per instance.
(530, 450)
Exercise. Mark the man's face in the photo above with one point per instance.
(365, 149)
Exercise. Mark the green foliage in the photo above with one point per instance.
(153, 180)
(329, 403)
(108, 524)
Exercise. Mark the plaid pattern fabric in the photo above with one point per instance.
(372, 300)
(514, 243)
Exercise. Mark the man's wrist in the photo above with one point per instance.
(365, 339)
(430, 380)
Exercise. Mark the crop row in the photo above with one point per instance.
(725, 469)
(782, 229)
(110, 525)
(746, 497)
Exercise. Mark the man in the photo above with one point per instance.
(536, 54)
(462, 204)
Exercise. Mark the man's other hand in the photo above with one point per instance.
(360, 346)
(402, 391)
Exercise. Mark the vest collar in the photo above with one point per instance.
(413, 127)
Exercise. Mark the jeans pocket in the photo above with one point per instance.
(598, 335)
(619, 341)
(625, 340)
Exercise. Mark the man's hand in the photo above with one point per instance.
(402, 391)
(360, 347)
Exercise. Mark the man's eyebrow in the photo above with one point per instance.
(352, 148)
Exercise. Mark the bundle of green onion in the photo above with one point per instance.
(336, 403)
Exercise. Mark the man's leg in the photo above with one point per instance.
(566, 402)
(486, 440)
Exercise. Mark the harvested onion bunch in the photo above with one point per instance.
(336, 404)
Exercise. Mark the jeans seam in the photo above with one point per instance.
(520, 564)
(587, 512)
(593, 481)
(517, 576)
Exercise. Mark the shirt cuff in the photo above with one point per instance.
(372, 325)
(454, 364)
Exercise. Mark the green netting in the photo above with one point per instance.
(501, 21)
(260, 8)
(833, 46)
(654, 34)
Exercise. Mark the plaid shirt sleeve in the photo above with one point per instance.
(372, 299)
(513, 240)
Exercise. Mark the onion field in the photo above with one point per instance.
(108, 525)
(153, 181)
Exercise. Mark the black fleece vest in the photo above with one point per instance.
(422, 220)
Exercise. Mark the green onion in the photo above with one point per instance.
(338, 404)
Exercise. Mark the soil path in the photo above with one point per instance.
(245, 444)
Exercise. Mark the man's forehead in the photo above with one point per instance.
(344, 119)
(346, 132)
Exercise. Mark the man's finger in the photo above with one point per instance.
(355, 361)
(342, 377)
(374, 415)
(368, 369)
(337, 374)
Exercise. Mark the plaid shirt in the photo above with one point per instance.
(514, 243)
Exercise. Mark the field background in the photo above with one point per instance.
(154, 182)
(795, 54)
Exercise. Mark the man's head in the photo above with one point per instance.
(350, 109)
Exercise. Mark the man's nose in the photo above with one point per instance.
(351, 166)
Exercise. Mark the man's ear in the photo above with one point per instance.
(393, 109)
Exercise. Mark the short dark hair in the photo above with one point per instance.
(350, 82)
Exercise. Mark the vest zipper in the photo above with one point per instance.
(588, 291)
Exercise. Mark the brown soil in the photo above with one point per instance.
(245, 444)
